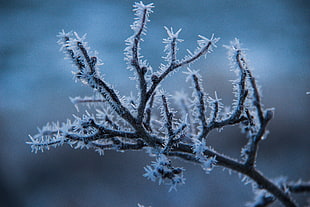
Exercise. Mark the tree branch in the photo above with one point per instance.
(121, 127)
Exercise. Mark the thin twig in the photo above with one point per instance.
(201, 108)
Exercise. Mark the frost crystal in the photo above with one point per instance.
(162, 170)
(142, 12)
(171, 45)
(205, 41)
(199, 147)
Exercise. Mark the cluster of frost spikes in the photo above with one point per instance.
(148, 121)
(164, 172)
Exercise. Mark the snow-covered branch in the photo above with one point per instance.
(150, 122)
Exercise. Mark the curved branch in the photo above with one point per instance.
(251, 172)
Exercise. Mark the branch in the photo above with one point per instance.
(120, 145)
(298, 187)
(111, 123)
(86, 99)
(147, 123)
(256, 96)
(168, 124)
(118, 128)
(132, 52)
(171, 46)
(229, 163)
(72, 47)
(205, 46)
(254, 141)
(168, 117)
(241, 93)
(85, 133)
(201, 107)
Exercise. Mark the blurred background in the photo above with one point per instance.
(36, 83)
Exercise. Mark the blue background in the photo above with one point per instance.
(35, 83)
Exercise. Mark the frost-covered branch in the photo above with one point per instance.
(298, 187)
(168, 117)
(132, 52)
(205, 46)
(148, 114)
(200, 106)
(74, 46)
(149, 122)
(171, 46)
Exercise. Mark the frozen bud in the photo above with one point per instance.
(269, 114)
